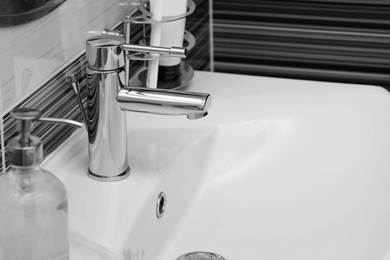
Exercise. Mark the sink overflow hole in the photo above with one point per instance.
(161, 204)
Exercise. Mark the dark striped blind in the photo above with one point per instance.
(330, 40)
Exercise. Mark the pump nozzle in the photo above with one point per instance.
(26, 115)
(26, 150)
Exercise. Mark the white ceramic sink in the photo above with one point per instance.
(279, 169)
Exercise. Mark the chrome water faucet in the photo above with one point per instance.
(108, 97)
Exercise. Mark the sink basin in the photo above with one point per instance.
(279, 169)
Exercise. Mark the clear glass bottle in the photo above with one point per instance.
(33, 204)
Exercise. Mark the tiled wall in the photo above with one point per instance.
(37, 57)
(30, 54)
(331, 40)
(2, 157)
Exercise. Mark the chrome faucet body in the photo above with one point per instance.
(108, 98)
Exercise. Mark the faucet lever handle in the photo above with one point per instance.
(170, 51)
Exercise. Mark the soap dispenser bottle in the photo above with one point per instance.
(33, 201)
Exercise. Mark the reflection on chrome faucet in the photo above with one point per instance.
(108, 98)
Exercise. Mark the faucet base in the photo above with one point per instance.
(118, 177)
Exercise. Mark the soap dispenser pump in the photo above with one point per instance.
(33, 201)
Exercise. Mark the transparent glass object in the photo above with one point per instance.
(33, 215)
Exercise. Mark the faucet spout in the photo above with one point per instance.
(108, 98)
(164, 102)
